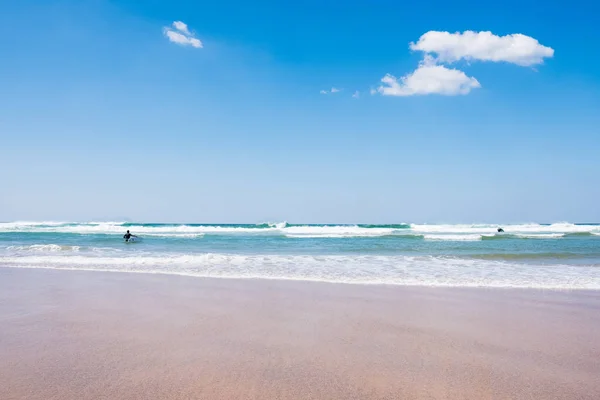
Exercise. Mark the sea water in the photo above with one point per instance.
(552, 256)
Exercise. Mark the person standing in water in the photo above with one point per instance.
(128, 236)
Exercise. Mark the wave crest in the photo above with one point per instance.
(44, 248)
(460, 232)
(391, 270)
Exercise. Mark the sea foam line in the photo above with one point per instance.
(429, 232)
(389, 270)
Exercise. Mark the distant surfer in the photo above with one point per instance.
(500, 230)
(128, 236)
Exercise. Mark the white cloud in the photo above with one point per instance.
(182, 27)
(429, 78)
(484, 46)
(333, 90)
(356, 95)
(183, 37)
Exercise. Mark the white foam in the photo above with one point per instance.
(454, 238)
(526, 231)
(118, 228)
(393, 270)
(178, 235)
(430, 232)
(18, 225)
(563, 227)
(541, 235)
(281, 228)
(43, 248)
(339, 231)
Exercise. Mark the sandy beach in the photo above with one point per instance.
(95, 335)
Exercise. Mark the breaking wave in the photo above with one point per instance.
(391, 270)
(459, 232)
(41, 248)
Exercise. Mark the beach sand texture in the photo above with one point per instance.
(94, 335)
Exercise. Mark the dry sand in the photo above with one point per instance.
(86, 335)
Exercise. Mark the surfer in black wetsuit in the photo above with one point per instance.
(500, 230)
(128, 236)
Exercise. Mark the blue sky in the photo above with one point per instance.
(103, 117)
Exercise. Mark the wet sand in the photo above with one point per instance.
(93, 335)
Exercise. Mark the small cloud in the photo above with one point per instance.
(183, 40)
(182, 27)
(429, 78)
(333, 90)
(184, 37)
(356, 95)
(373, 91)
(483, 46)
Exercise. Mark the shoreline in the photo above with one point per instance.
(308, 280)
(72, 335)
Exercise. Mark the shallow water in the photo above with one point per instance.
(555, 256)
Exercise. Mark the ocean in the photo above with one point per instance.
(547, 256)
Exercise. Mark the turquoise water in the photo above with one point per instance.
(555, 256)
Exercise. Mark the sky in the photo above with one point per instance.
(306, 112)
